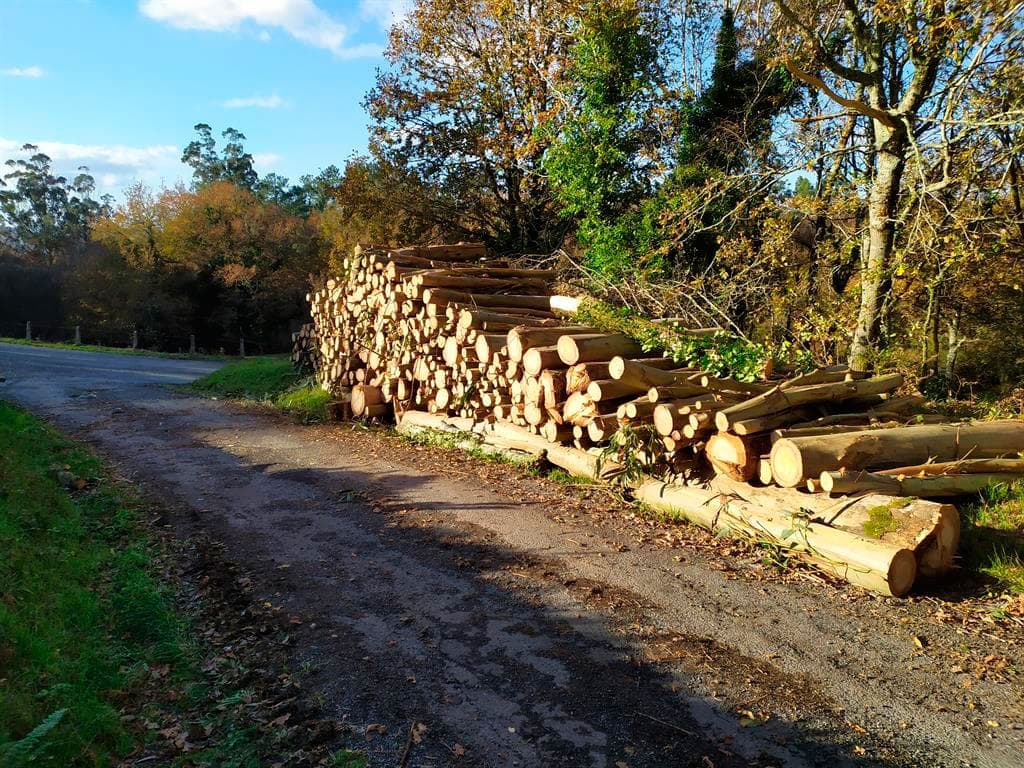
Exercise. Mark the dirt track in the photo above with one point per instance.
(527, 626)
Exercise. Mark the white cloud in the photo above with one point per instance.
(32, 72)
(302, 19)
(264, 162)
(114, 166)
(385, 12)
(262, 102)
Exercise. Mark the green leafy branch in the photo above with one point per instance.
(721, 354)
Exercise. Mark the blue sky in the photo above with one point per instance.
(118, 84)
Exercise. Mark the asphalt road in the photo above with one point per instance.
(495, 609)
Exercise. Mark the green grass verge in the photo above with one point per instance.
(992, 542)
(111, 350)
(90, 633)
(270, 379)
(82, 618)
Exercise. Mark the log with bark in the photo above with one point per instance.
(881, 567)
(794, 460)
(778, 400)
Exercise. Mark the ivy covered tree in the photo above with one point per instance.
(600, 166)
(724, 130)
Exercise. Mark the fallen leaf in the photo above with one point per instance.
(376, 728)
(419, 730)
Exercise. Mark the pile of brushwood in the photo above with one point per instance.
(840, 466)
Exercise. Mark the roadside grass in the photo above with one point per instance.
(96, 660)
(82, 618)
(436, 438)
(111, 350)
(992, 540)
(269, 379)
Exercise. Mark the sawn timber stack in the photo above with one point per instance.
(446, 338)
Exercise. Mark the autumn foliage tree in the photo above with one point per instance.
(466, 105)
(216, 261)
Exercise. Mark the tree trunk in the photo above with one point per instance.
(955, 342)
(884, 197)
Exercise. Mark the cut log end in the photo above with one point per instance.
(902, 572)
(787, 464)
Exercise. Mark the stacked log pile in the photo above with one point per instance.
(425, 328)
(447, 338)
(305, 351)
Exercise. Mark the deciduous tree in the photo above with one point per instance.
(906, 69)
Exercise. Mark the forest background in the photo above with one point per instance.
(828, 181)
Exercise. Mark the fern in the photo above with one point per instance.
(31, 746)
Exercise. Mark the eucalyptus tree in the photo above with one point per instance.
(910, 72)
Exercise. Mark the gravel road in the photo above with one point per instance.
(522, 623)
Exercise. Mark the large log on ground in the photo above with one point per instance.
(794, 460)
(572, 460)
(416, 422)
(874, 565)
(422, 420)
(778, 400)
(930, 529)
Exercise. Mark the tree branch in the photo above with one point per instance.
(857, 106)
(850, 73)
